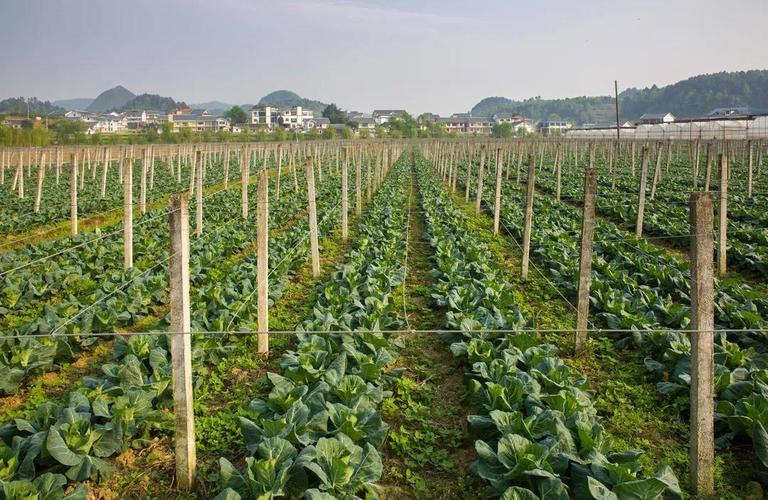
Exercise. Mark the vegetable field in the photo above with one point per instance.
(513, 319)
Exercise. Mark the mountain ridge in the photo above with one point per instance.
(694, 96)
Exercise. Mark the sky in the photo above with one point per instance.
(439, 56)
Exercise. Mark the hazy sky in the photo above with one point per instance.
(426, 55)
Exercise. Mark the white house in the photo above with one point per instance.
(106, 124)
(266, 116)
(382, 116)
(653, 118)
(320, 123)
(295, 117)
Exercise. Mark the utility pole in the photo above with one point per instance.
(618, 125)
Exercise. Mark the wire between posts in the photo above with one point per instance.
(288, 255)
(113, 292)
(390, 331)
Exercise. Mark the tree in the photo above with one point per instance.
(348, 133)
(329, 133)
(333, 113)
(501, 130)
(236, 115)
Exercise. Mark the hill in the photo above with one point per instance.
(695, 96)
(77, 104)
(20, 106)
(151, 102)
(287, 99)
(114, 98)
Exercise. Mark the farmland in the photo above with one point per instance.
(522, 318)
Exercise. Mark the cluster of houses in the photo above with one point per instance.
(720, 123)
(196, 120)
(299, 119)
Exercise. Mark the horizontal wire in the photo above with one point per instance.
(384, 331)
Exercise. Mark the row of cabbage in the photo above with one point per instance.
(128, 403)
(17, 214)
(317, 433)
(538, 435)
(638, 286)
(666, 216)
(56, 290)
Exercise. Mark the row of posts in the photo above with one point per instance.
(702, 287)
(180, 330)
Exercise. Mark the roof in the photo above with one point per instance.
(506, 115)
(193, 118)
(362, 120)
(654, 116)
(321, 119)
(474, 119)
(739, 110)
(382, 112)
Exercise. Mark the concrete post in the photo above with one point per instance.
(197, 171)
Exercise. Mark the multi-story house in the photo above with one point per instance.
(199, 120)
(265, 116)
(295, 117)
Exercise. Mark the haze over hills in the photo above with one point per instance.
(695, 96)
(76, 104)
(114, 98)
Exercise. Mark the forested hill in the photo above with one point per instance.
(287, 99)
(695, 96)
(151, 101)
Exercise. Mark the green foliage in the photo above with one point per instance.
(236, 115)
(333, 113)
(152, 102)
(20, 106)
(501, 130)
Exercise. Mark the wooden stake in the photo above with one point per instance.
(585, 260)
(73, 199)
(197, 172)
(480, 173)
(312, 210)
(722, 240)
(497, 197)
(345, 196)
(702, 450)
(262, 260)
(40, 177)
(641, 195)
(530, 192)
(181, 343)
(244, 175)
(127, 213)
